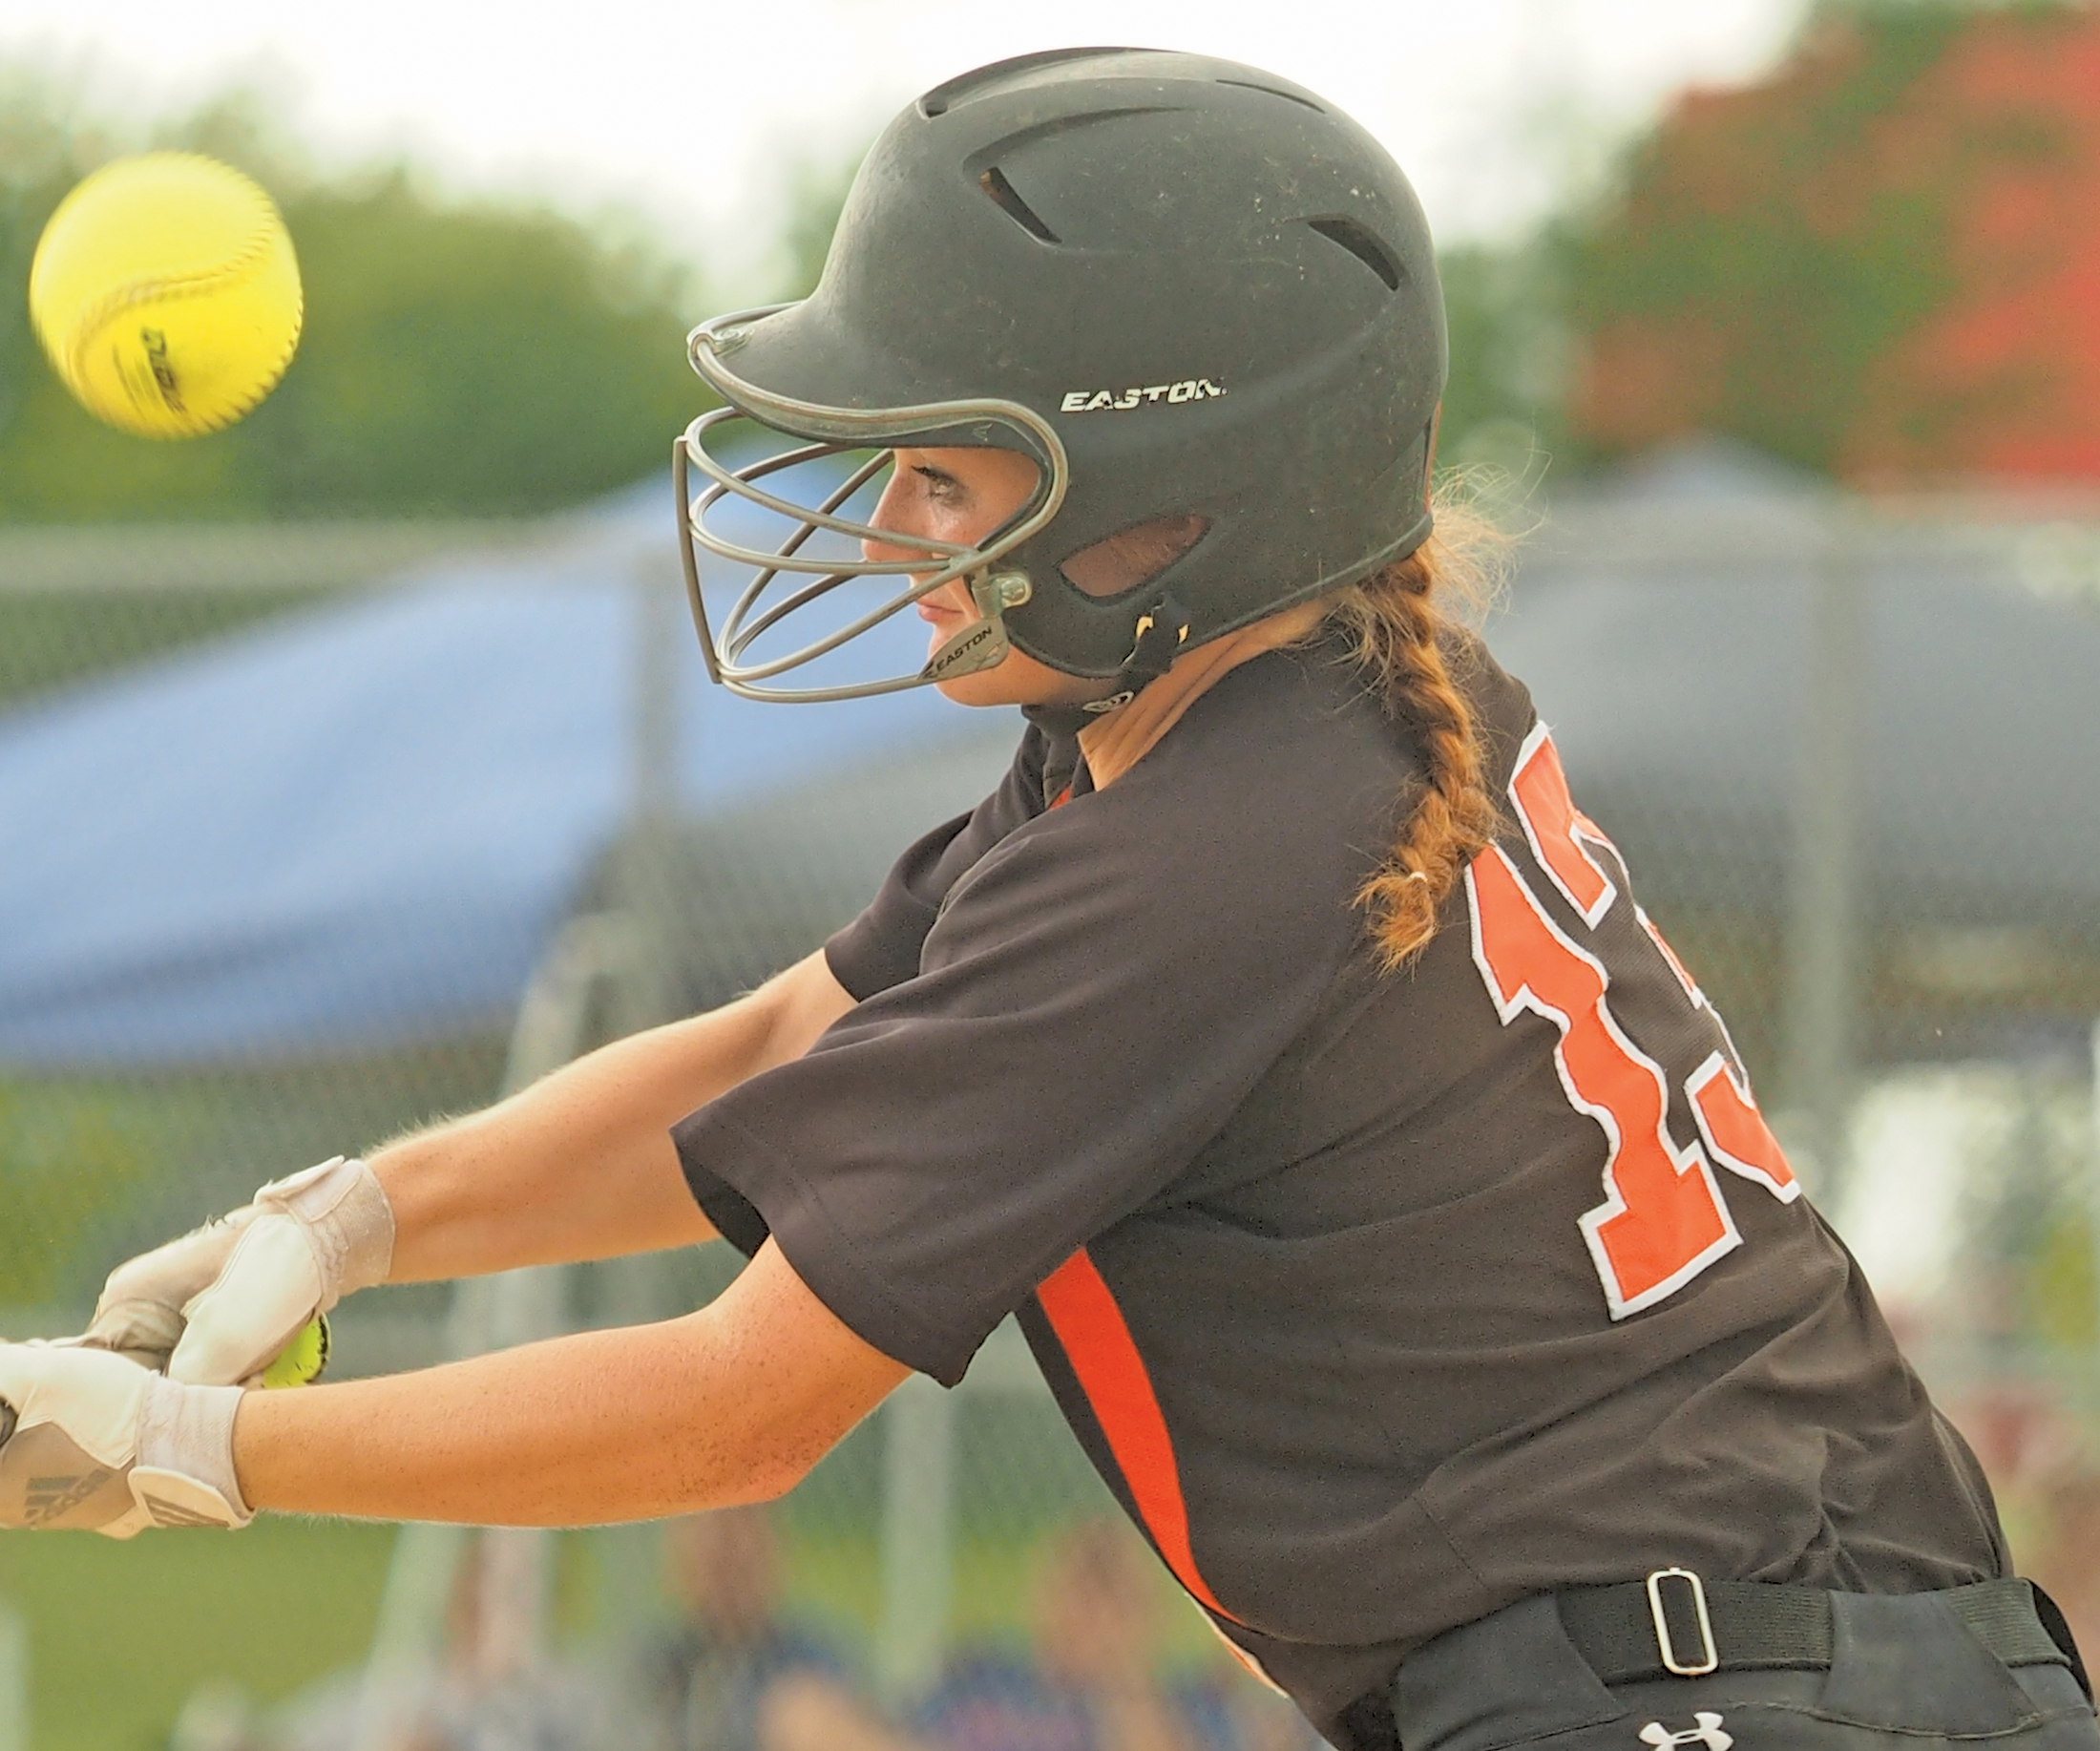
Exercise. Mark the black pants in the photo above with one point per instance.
(1906, 1675)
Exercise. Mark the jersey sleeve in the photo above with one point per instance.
(1098, 995)
(881, 947)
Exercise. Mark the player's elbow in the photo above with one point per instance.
(742, 1459)
(786, 1455)
(776, 1379)
(774, 1483)
(726, 1467)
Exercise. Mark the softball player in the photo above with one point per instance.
(1388, 1209)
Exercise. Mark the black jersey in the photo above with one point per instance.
(1380, 1301)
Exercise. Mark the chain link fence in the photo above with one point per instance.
(1846, 748)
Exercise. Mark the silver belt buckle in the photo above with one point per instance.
(1710, 1659)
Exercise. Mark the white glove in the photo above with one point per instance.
(102, 1444)
(216, 1307)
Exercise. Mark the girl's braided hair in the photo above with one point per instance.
(1405, 641)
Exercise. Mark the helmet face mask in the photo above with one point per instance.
(1200, 301)
(980, 646)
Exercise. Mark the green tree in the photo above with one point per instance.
(1504, 402)
(1876, 261)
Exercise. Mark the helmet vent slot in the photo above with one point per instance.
(1270, 90)
(1004, 76)
(1364, 244)
(1007, 199)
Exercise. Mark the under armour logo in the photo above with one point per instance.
(1706, 1733)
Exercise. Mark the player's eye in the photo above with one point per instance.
(941, 487)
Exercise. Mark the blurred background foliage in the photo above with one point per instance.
(1877, 263)
(68, 1157)
(458, 359)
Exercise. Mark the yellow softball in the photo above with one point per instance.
(304, 1359)
(166, 294)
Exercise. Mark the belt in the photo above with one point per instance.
(1676, 1623)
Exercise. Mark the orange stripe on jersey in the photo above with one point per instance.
(1111, 1372)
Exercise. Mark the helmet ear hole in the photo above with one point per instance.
(1131, 557)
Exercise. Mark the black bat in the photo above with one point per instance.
(7, 1422)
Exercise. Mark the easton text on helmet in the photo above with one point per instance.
(1097, 401)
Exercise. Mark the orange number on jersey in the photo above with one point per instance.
(1662, 1220)
(1555, 829)
(1736, 1131)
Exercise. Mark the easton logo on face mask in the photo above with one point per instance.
(971, 645)
(1100, 401)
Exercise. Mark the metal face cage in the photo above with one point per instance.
(788, 582)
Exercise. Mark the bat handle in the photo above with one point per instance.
(7, 1422)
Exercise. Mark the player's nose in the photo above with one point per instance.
(893, 515)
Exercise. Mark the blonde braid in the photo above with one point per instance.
(1398, 636)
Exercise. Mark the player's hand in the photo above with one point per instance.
(216, 1307)
(99, 1443)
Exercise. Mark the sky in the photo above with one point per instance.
(693, 115)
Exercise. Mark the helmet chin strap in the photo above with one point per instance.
(1163, 631)
(1163, 635)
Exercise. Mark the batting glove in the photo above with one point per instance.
(216, 1307)
(101, 1444)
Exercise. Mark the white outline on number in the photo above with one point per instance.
(1736, 1074)
(1593, 913)
(1696, 1086)
(1683, 1160)
(1581, 834)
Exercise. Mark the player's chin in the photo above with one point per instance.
(1017, 679)
(990, 686)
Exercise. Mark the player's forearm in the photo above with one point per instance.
(733, 1404)
(580, 1165)
(572, 1432)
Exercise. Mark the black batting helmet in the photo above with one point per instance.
(1201, 299)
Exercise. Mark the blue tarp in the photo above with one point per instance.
(360, 824)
